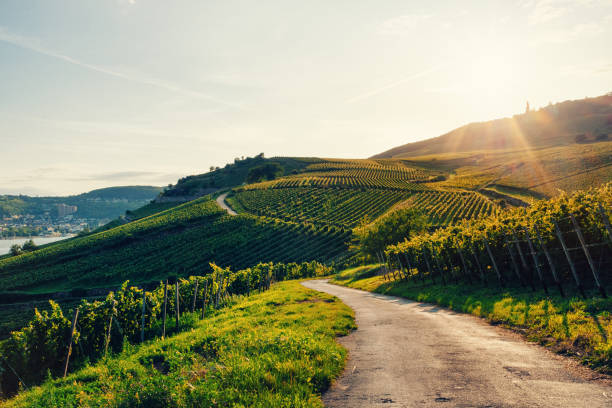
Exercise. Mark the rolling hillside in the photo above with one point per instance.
(301, 209)
(565, 146)
(350, 193)
(179, 241)
(554, 125)
(306, 214)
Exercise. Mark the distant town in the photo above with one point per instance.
(25, 216)
(59, 221)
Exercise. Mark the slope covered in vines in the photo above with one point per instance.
(347, 193)
(564, 242)
(179, 241)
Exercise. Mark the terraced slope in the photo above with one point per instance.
(179, 241)
(347, 193)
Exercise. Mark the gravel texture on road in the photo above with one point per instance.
(412, 354)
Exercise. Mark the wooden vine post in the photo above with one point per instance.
(588, 256)
(385, 264)
(513, 260)
(393, 272)
(74, 322)
(499, 276)
(606, 221)
(218, 293)
(553, 270)
(165, 308)
(419, 273)
(401, 265)
(142, 320)
(522, 257)
(178, 311)
(435, 258)
(382, 267)
(483, 278)
(408, 271)
(431, 275)
(204, 299)
(108, 333)
(569, 259)
(195, 294)
(468, 271)
(535, 261)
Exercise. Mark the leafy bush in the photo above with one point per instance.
(392, 228)
(267, 171)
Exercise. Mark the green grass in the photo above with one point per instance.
(275, 349)
(582, 328)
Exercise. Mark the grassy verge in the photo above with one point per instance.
(582, 328)
(275, 349)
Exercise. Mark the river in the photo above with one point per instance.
(6, 244)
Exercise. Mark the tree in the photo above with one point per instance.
(29, 246)
(84, 231)
(391, 229)
(267, 171)
(15, 250)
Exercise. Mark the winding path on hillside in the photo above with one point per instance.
(412, 354)
(223, 204)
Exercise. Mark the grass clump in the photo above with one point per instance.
(572, 326)
(275, 349)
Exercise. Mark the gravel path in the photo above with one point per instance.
(411, 354)
(222, 204)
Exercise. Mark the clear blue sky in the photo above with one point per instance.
(118, 92)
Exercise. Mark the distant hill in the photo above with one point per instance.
(130, 193)
(565, 123)
(564, 146)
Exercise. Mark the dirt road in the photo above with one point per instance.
(222, 204)
(411, 354)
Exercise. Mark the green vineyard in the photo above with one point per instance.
(347, 193)
(339, 179)
(180, 241)
(340, 207)
(564, 241)
(447, 207)
(307, 215)
(350, 207)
